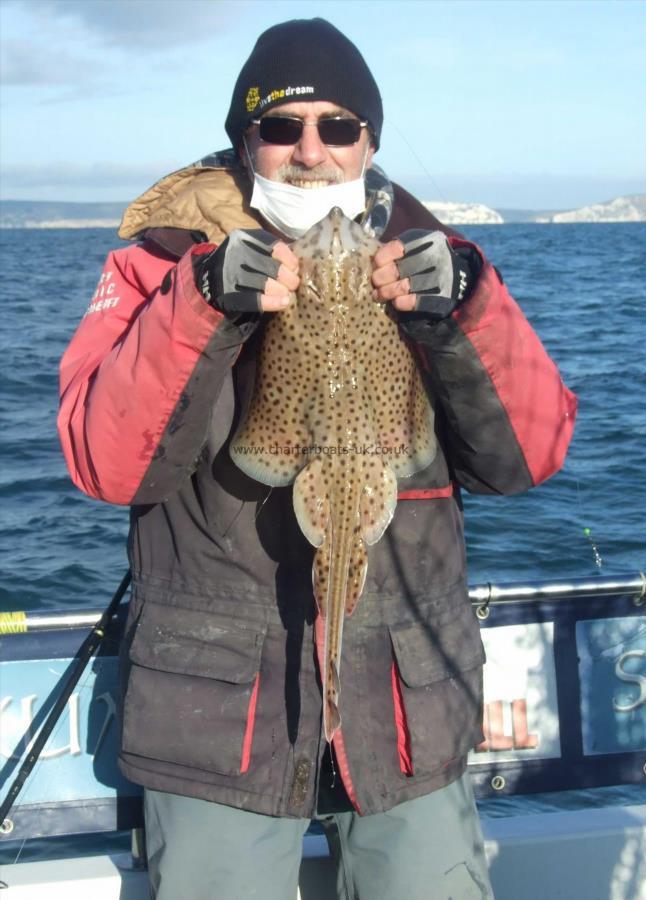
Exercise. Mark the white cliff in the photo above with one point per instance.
(631, 208)
(464, 213)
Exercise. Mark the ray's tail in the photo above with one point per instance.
(339, 572)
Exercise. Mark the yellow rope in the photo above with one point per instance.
(13, 622)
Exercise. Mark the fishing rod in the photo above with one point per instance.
(84, 655)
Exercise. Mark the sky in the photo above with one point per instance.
(513, 103)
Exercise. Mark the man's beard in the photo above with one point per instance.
(320, 176)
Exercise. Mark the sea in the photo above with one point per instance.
(582, 286)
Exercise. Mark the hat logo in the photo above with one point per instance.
(252, 99)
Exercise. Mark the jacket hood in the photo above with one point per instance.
(209, 196)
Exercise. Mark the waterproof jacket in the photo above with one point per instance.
(221, 689)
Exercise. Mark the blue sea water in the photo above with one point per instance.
(582, 286)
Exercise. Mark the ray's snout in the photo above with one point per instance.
(334, 235)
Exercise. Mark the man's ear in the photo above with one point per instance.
(369, 155)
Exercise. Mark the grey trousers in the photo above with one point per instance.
(425, 849)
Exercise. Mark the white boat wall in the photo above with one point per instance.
(565, 711)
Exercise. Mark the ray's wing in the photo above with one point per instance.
(271, 443)
(401, 411)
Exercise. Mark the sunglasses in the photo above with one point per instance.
(337, 131)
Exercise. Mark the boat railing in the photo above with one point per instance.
(482, 597)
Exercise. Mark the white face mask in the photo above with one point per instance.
(293, 210)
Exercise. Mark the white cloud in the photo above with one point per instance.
(92, 45)
(147, 25)
(26, 63)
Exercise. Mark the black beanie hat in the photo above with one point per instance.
(304, 59)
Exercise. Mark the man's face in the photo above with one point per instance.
(309, 162)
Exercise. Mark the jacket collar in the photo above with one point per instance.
(211, 197)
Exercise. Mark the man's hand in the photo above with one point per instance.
(420, 272)
(250, 272)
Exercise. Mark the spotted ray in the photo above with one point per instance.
(338, 408)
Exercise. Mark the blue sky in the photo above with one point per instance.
(511, 103)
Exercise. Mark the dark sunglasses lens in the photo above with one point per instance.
(287, 131)
(339, 132)
(280, 130)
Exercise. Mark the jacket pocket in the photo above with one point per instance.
(437, 690)
(192, 689)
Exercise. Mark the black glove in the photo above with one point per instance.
(233, 277)
(441, 277)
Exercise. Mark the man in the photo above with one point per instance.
(221, 718)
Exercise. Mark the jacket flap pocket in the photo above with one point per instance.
(426, 652)
(192, 642)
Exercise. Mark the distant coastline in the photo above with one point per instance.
(53, 214)
(630, 208)
(59, 214)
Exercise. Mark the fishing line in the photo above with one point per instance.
(587, 531)
(237, 515)
(22, 847)
(421, 164)
(259, 510)
(597, 556)
(333, 784)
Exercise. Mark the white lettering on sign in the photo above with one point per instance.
(632, 678)
(612, 675)
(520, 705)
(110, 713)
(23, 727)
(103, 297)
(497, 736)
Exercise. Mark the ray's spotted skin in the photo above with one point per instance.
(338, 408)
